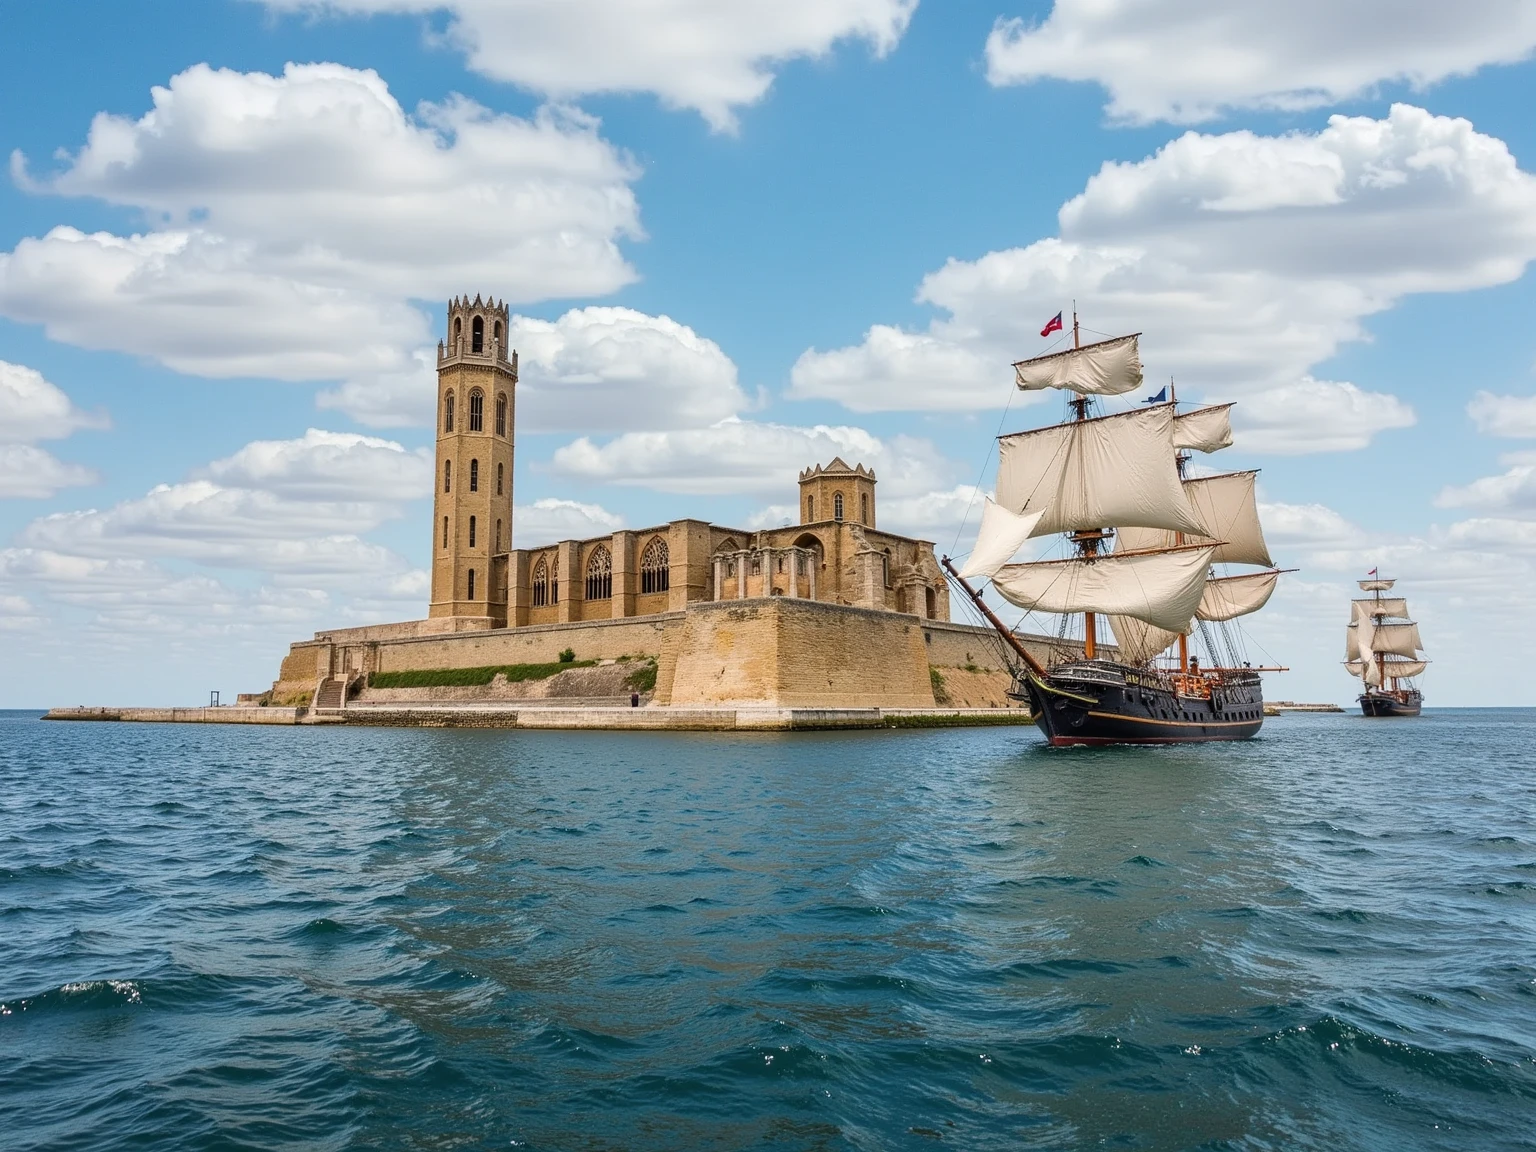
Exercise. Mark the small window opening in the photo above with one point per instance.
(501, 415)
(471, 531)
(445, 532)
(498, 535)
(458, 331)
(497, 332)
(448, 412)
(498, 479)
(863, 507)
(837, 506)
(477, 411)
(471, 583)
(810, 509)
(447, 475)
(474, 475)
(477, 334)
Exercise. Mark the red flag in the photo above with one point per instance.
(1372, 572)
(1053, 326)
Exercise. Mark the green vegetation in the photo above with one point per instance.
(469, 677)
(642, 679)
(940, 692)
(568, 656)
(997, 716)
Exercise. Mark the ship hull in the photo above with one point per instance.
(1100, 703)
(1382, 704)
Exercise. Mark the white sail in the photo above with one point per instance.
(1107, 368)
(1352, 644)
(1112, 471)
(1229, 597)
(1139, 641)
(1362, 633)
(1402, 669)
(1386, 606)
(1397, 640)
(1204, 429)
(1376, 585)
(1225, 503)
(1002, 534)
(1163, 589)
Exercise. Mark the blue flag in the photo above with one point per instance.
(1160, 398)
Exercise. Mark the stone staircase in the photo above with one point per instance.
(330, 695)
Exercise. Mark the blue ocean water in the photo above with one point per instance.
(221, 937)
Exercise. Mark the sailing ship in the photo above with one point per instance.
(1384, 650)
(1143, 538)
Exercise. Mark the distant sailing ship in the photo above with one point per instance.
(1119, 479)
(1384, 650)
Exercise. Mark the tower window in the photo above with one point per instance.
(477, 334)
(540, 584)
(810, 509)
(448, 412)
(498, 535)
(471, 531)
(600, 574)
(477, 411)
(501, 413)
(447, 475)
(497, 331)
(554, 582)
(471, 583)
(885, 566)
(863, 507)
(654, 571)
(474, 475)
(445, 532)
(458, 332)
(498, 479)
(837, 505)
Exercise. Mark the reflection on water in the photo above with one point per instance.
(406, 939)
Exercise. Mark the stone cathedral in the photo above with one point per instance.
(830, 611)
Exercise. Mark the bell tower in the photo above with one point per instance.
(472, 506)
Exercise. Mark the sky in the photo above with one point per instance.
(739, 238)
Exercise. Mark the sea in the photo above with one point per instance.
(222, 937)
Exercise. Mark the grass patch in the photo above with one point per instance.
(642, 679)
(471, 677)
(1000, 716)
(940, 692)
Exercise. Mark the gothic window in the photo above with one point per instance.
(554, 582)
(810, 509)
(837, 506)
(885, 565)
(477, 335)
(471, 583)
(445, 532)
(497, 332)
(931, 603)
(654, 571)
(498, 535)
(447, 475)
(477, 411)
(471, 531)
(540, 584)
(498, 479)
(458, 332)
(448, 412)
(757, 565)
(474, 475)
(863, 507)
(501, 412)
(599, 574)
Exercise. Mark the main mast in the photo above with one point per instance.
(1087, 541)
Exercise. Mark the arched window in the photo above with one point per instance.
(540, 583)
(458, 332)
(471, 583)
(497, 331)
(599, 574)
(477, 334)
(837, 506)
(810, 509)
(863, 507)
(501, 413)
(498, 479)
(554, 582)
(655, 575)
(498, 535)
(447, 475)
(930, 603)
(471, 531)
(474, 475)
(445, 532)
(477, 411)
(448, 412)
(885, 564)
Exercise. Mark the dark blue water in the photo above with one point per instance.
(276, 938)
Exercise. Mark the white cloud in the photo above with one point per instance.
(699, 54)
(1245, 260)
(1514, 490)
(29, 472)
(328, 466)
(1509, 416)
(1316, 416)
(293, 218)
(1189, 60)
(743, 457)
(548, 520)
(33, 409)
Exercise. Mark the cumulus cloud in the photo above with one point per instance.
(291, 220)
(699, 54)
(548, 520)
(1190, 60)
(1316, 416)
(322, 466)
(32, 409)
(1509, 416)
(1513, 490)
(1245, 259)
(745, 457)
(28, 472)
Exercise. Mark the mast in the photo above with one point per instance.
(1182, 458)
(1087, 543)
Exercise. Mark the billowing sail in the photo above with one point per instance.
(1360, 649)
(1163, 589)
(1107, 368)
(1229, 597)
(1139, 641)
(1226, 503)
(1403, 668)
(1204, 429)
(1376, 585)
(1397, 640)
(1386, 606)
(1002, 534)
(1112, 471)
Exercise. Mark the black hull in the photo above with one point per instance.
(1384, 704)
(1099, 702)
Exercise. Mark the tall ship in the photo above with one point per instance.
(1142, 540)
(1383, 649)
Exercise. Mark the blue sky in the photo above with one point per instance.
(741, 237)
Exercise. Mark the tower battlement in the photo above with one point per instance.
(477, 330)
